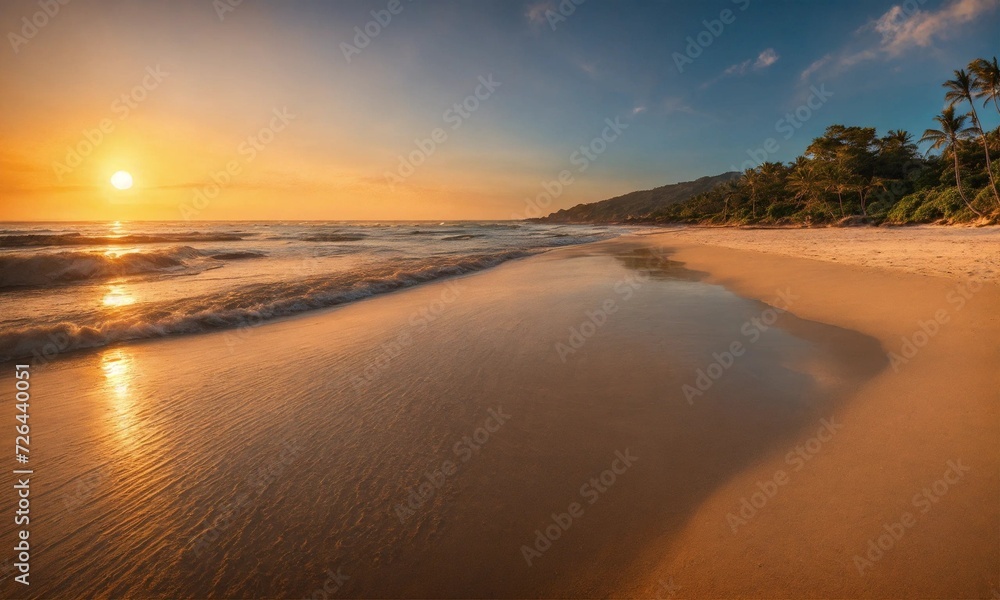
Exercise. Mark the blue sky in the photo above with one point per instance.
(563, 68)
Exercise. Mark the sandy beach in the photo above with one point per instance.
(553, 427)
(957, 252)
(901, 431)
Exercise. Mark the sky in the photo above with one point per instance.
(423, 109)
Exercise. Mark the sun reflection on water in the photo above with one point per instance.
(118, 295)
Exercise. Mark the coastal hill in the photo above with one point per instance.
(637, 206)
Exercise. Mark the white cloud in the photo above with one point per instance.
(815, 66)
(903, 27)
(638, 109)
(766, 59)
(738, 68)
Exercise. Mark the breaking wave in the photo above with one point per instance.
(245, 306)
(42, 270)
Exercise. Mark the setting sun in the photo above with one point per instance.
(122, 180)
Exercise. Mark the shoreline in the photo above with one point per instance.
(185, 418)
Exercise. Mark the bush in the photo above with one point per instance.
(778, 211)
(985, 202)
(879, 211)
(902, 212)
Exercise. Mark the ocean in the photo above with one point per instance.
(67, 286)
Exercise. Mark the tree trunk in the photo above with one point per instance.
(986, 149)
(958, 182)
(840, 198)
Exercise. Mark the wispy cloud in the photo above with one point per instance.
(587, 67)
(535, 13)
(900, 29)
(764, 60)
(738, 68)
(815, 66)
(674, 104)
(638, 109)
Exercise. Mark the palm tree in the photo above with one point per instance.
(899, 139)
(730, 190)
(987, 80)
(839, 178)
(864, 190)
(751, 177)
(962, 88)
(951, 134)
(807, 183)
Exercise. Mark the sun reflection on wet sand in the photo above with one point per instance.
(119, 374)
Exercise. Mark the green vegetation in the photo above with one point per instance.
(851, 175)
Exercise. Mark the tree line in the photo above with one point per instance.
(853, 175)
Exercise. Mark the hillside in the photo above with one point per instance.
(636, 206)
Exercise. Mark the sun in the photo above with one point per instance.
(122, 180)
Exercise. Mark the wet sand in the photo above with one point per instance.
(414, 445)
(901, 431)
